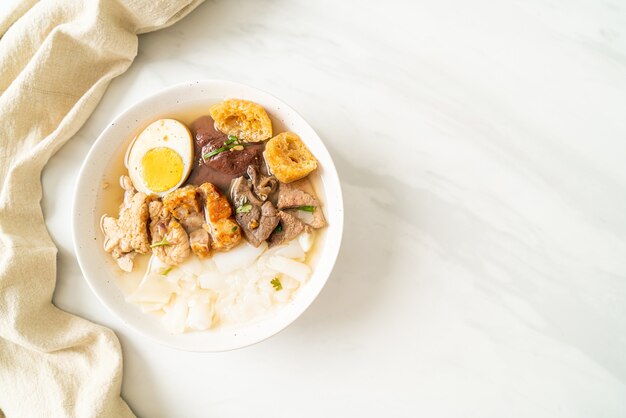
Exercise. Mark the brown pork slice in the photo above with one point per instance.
(292, 196)
(165, 229)
(291, 228)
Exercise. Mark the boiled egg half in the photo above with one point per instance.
(159, 159)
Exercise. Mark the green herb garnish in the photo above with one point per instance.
(276, 284)
(279, 228)
(217, 151)
(244, 208)
(306, 208)
(231, 143)
(166, 271)
(162, 243)
(234, 228)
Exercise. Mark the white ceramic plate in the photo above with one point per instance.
(101, 272)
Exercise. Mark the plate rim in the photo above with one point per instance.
(329, 167)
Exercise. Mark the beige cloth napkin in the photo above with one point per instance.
(56, 59)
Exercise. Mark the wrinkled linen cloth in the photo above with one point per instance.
(56, 59)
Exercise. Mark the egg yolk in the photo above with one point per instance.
(162, 168)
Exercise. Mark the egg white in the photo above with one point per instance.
(168, 133)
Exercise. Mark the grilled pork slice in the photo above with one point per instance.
(184, 204)
(127, 235)
(224, 231)
(170, 242)
(200, 242)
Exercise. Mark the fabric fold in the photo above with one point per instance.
(56, 62)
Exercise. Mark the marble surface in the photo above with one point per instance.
(481, 149)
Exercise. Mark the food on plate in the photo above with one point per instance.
(160, 158)
(127, 235)
(232, 287)
(220, 167)
(227, 218)
(184, 205)
(170, 242)
(299, 199)
(243, 119)
(224, 230)
(288, 158)
(256, 215)
(290, 228)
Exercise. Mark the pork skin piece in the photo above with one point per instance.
(170, 242)
(186, 206)
(225, 233)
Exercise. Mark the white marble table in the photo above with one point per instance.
(481, 147)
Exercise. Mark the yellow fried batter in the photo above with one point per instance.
(288, 158)
(246, 120)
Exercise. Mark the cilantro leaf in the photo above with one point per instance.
(276, 284)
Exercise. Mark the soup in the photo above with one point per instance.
(229, 280)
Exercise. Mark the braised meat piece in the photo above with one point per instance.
(127, 235)
(200, 242)
(262, 186)
(223, 167)
(223, 228)
(298, 199)
(258, 223)
(184, 204)
(204, 133)
(256, 218)
(290, 228)
(241, 193)
(170, 242)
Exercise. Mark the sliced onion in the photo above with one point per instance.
(292, 250)
(154, 288)
(200, 316)
(282, 296)
(239, 257)
(150, 307)
(304, 216)
(306, 241)
(192, 266)
(213, 280)
(291, 268)
(289, 283)
(175, 318)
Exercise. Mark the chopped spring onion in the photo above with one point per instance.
(279, 228)
(166, 271)
(306, 208)
(244, 208)
(162, 243)
(217, 151)
(232, 142)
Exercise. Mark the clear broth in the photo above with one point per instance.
(111, 195)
